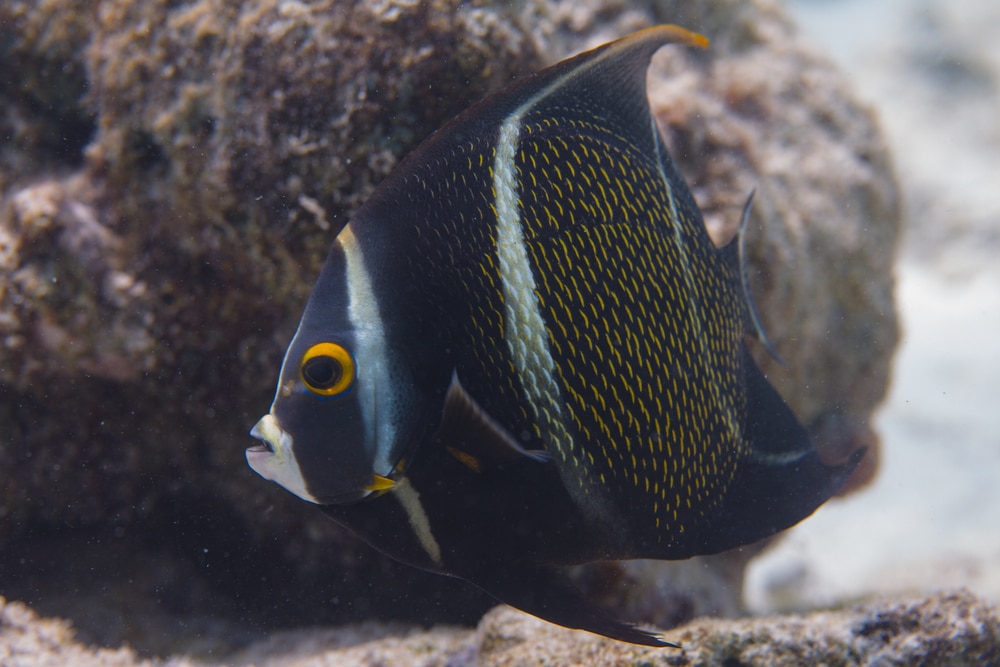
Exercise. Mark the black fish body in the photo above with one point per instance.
(525, 352)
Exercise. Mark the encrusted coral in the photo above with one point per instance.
(175, 173)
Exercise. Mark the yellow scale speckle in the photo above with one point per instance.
(653, 366)
(640, 369)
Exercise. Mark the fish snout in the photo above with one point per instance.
(274, 459)
(273, 447)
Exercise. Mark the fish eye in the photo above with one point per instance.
(327, 369)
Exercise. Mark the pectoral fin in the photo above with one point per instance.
(474, 438)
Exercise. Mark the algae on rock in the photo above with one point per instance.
(178, 170)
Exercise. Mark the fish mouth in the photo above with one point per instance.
(268, 434)
(263, 447)
(274, 459)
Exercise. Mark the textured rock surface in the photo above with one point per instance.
(947, 630)
(29, 641)
(154, 263)
(175, 175)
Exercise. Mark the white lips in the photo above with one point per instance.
(275, 460)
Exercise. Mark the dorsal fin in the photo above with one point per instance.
(547, 593)
(619, 66)
(735, 253)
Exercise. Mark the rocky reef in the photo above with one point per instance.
(946, 630)
(171, 176)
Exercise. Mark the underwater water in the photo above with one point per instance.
(205, 576)
(929, 520)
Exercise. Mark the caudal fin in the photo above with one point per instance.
(781, 479)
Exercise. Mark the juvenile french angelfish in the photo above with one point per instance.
(524, 352)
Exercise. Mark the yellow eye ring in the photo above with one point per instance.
(327, 369)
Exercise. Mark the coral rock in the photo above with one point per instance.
(178, 171)
(945, 630)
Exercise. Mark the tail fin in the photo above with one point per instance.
(781, 479)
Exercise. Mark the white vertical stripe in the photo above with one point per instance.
(524, 330)
(421, 525)
(375, 377)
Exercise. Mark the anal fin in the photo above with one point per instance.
(548, 594)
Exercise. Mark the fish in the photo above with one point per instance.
(524, 352)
